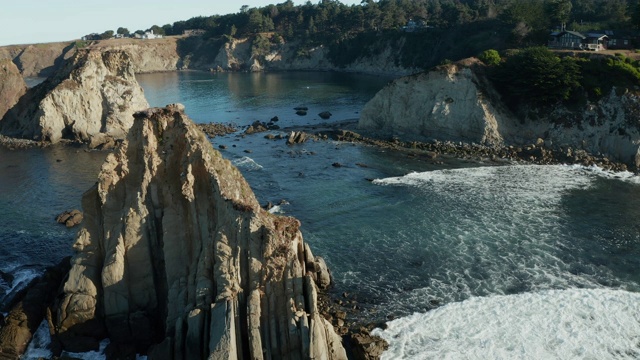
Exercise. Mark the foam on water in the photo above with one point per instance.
(246, 163)
(500, 230)
(556, 324)
(39, 346)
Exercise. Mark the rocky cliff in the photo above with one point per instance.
(38, 60)
(177, 257)
(91, 99)
(12, 86)
(176, 53)
(456, 102)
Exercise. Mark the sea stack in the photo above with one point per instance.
(91, 99)
(177, 259)
(12, 86)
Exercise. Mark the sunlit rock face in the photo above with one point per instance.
(177, 258)
(91, 99)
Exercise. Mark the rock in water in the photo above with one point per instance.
(91, 99)
(12, 86)
(177, 257)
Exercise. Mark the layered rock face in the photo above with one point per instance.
(457, 103)
(444, 103)
(176, 254)
(12, 86)
(91, 99)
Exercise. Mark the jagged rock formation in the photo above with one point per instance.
(91, 99)
(177, 255)
(12, 86)
(456, 102)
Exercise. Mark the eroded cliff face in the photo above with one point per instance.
(91, 99)
(457, 103)
(38, 59)
(445, 103)
(12, 86)
(177, 257)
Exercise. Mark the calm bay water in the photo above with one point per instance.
(475, 261)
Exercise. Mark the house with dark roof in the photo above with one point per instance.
(578, 41)
(621, 39)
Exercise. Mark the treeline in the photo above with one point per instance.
(538, 76)
(331, 18)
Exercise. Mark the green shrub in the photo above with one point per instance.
(490, 57)
(537, 75)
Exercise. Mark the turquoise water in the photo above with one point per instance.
(461, 253)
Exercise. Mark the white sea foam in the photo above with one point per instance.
(39, 346)
(555, 324)
(22, 278)
(247, 163)
(277, 209)
(553, 178)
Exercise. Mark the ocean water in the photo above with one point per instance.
(471, 260)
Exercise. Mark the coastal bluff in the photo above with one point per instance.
(91, 99)
(176, 258)
(457, 102)
(12, 86)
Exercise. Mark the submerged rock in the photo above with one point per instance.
(12, 86)
(325, 115)
(176, 257)
(91, 99)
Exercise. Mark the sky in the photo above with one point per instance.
(41, 21)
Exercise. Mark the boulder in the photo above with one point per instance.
(177, 258)
(91, 99)
(12, 86)
(301, 112)
(325, 115)
(367, 347)
(70, 218)
(296, 137)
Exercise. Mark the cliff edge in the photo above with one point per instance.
(12, 86)
(91, 99)
(457, 102)
(177, 259)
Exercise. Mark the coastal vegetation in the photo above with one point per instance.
(422, 32)
(538, 76)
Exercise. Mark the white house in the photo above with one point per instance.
(150, 35)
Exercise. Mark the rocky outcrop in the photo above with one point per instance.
(177, 258)
(91, 99)
(457, 103)
(12, 86)
(25, 316)
(69, 218)
(445, 103)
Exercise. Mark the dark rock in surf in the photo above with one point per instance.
(325, 115)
